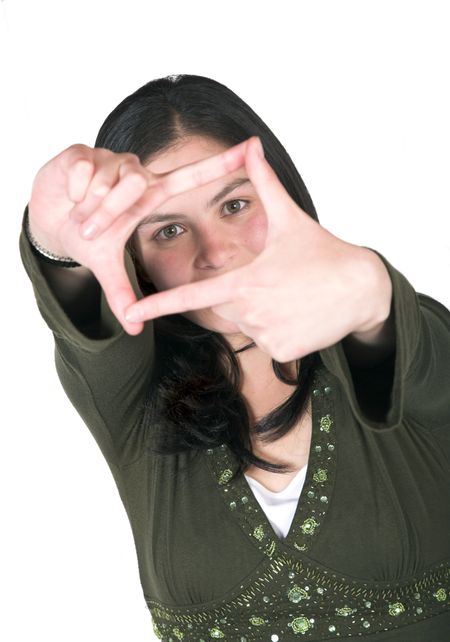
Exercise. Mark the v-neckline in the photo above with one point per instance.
(317, 489)
(276, 493)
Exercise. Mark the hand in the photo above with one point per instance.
(304, 292)
(86, 202)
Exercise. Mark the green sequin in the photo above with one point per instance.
(440, 595)
(396, 608)
(345, 611)
(300, 625)
(296, 594)
(177, 633)
(258, 533)
(321, 475)
(257, 621)
(216, 633)
(309, 526)
(225, 476)
(326, 423)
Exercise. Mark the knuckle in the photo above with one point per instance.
(75, 156)
(156, 307)
(105, 213)
(129, 157)
(78, 148)
(103, 153)
(137, 178)
(160, 192)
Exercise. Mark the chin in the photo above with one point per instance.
(210, 321)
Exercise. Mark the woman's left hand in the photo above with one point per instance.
(304, 292)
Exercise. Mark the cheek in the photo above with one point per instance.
(168, 271)
(165, 269)
(255, 233)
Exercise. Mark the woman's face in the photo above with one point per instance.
(202, 233)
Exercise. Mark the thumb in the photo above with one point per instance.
(113, 278)
(277, 203)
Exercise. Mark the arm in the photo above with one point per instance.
(407, 374)
(376, 340)
(105, 372)
(77, 291)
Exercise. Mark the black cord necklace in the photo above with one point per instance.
(249, 345)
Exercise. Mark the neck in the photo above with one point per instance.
(255, 364)
(252, 344)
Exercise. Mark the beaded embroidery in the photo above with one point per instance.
(317, 490)
(310, 602)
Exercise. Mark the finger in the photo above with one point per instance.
(277, 203)
(78, 179)
(189, 177)
(193, 296)
(76, 165)
(105, 176)
(111, 274)
(132, 183)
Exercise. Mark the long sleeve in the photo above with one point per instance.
(106, 379)
(414, 382)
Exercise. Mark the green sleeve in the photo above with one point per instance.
(413, 383)
(106, 379)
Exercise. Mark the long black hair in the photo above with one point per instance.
(194, 401)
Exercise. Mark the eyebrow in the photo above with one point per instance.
(156, 217)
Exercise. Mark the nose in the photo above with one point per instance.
(215, 250)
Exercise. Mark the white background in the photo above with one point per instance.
(357, 92)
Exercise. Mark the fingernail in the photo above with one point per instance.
(89, 231)
(260, 148)
(133, 315)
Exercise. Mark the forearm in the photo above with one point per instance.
(77, 291)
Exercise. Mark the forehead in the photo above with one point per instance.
(189, 150)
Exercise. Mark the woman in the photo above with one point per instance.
(275, 413)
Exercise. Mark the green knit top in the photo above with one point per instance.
(368, 552)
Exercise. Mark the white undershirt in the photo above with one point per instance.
(279, 507)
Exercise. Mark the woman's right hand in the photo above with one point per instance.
(86, 202)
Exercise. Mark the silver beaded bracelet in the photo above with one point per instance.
(46, 255)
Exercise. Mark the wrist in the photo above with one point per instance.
(45, 251)
(377, 295)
